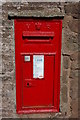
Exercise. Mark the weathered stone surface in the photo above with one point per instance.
(65, 76)
(7, 113)
(43, 8)
(74, 88)
(71, 56)
(70, 47)
(73, 25)
(74, 74)
(8, 102)
(74, 105)
(70, 42)
(72, 38)
(39, 115)
(8, 66)
(9, 78)
(66, 20)
(75, 56)
(38, 10)
(7, 22)
(74, 94)
(74, 84)
(64, 92)
(75, 65)
(72, 9)
(66, 62)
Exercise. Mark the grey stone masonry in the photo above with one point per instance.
(70, 65)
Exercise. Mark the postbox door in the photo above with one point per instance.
(37, 90)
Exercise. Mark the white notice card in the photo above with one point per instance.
(38, 66)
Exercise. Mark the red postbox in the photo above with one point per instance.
(37, 60)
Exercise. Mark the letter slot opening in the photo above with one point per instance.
(38, 36)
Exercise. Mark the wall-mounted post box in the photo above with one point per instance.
(37, 60)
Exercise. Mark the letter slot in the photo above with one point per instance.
(38, 36)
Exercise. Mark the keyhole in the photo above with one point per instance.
(28, 84)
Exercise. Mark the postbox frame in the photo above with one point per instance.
(55, 108)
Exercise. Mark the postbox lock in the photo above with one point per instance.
(27, 84)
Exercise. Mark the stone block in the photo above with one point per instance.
(66, 62)
(7, 66)
(8, 103)
(71, 8)
(70, 42)
(74, 83)
(64, 109)
(72, 38)
(75, 56)
(7, 34)
(7, 29)
(64, 94)
(74, 74)
(71, 47)
(65, 76)
(7, 88)
(75, 65)
(74, 88)
(9, 78)
(66, 20)
(7, 113)
(39, 115)
(73, 25)
(6, 22)
(73, 94)
(8, 96)
(74, 105)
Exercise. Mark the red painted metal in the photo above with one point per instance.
(37, 34)
(34, 95)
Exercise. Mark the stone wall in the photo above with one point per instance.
(70, 56)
